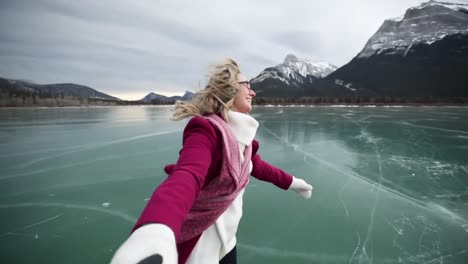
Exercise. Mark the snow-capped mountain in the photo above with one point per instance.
(424, 53)
(429, 22)
(295, 68)
(290, 78)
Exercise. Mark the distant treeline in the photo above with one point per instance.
(362, 100)
(357, 100)
(162, 102)
(25, 99)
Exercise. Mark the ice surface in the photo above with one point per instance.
(390, 183)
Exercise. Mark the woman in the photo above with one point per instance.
(193, 216)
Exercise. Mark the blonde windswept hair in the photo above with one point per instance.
(217, 96)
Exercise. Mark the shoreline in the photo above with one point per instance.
(254, 105)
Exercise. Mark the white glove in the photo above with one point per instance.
(301, 187)
(149, 244)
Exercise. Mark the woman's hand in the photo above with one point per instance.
(149, 244)
(301, 187)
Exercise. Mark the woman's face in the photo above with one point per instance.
(243, 101)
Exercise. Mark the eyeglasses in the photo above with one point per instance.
(246, 84)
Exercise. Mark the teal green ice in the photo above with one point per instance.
(390, 183)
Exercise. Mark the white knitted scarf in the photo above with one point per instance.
(243, 126)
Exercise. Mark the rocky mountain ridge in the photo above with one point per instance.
(427, 23)
(290, 78)
(423, 54)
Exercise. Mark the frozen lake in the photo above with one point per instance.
(390, 183)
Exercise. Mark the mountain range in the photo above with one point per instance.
(423, 53)
(51, 90)
(21, 88)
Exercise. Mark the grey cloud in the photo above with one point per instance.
(259, 60)
(302, 41)
(122, 44)
(35, 51)
(252, 64)
(153, 24)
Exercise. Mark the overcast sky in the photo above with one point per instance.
(130, 48)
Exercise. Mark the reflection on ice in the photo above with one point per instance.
(399, 207)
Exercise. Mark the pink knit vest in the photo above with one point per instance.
(217, 196)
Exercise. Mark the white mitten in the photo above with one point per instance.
(152, 243)
(301, 187)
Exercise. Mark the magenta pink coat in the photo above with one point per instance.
(199, 163)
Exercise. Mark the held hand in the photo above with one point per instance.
(301, 187)
(149, 244)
